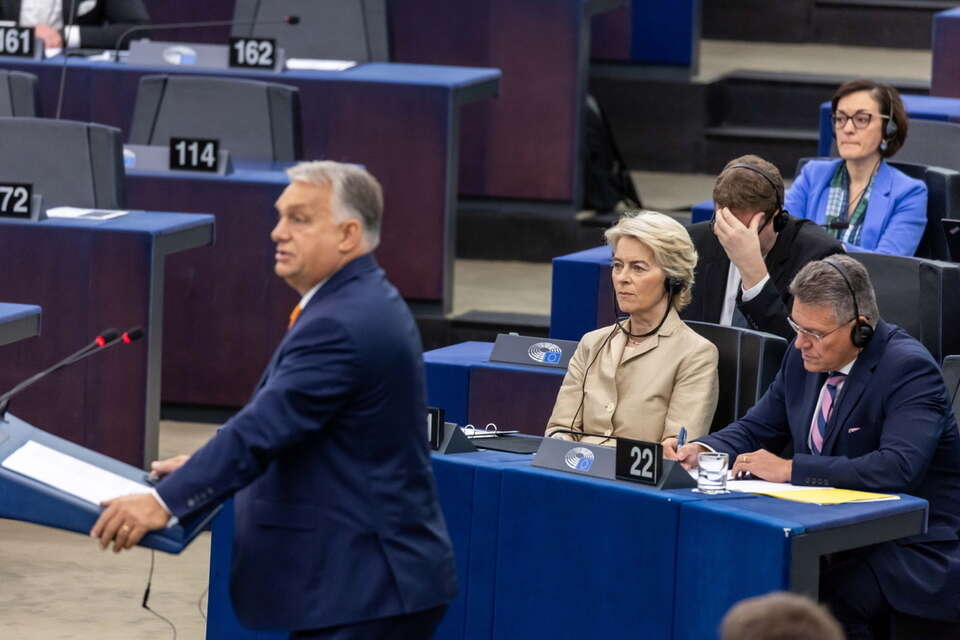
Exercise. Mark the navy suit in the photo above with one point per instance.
(337, 519)
(892, 430)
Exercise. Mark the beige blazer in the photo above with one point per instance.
(645, 392)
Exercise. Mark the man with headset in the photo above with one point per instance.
(751, 250)
(865, 407)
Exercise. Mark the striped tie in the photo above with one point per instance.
(294, 315)
(818, 428)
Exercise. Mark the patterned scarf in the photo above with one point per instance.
(838, 201)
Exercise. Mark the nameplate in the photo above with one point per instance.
(19, 42)
(194, 154)
(156, 158)
(181, 54)
(539, 352)
(254, 53)
(17, 200)
(575, 457)
(435, 422)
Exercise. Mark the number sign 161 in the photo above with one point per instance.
(15, 200)
(16, 41)
(194, 154)
(259, 53)
(639, 461)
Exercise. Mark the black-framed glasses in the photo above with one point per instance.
(861, 119)
(813, 335)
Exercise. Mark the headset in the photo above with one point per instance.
(779, 217)
(890, 128)
(862, 332)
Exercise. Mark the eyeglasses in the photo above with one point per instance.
(861, 119)
(813, 335)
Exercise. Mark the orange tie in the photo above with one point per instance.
(294, 315)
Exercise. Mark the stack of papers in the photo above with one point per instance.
(85, 214)
(810, 495)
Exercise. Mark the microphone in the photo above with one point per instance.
(836, 226)
(63, 67)
(555, 430)
(106, 339)
(291, 20)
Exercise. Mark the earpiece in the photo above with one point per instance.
(890, 128)
(862, 332)
(779, 218)
(674, 285)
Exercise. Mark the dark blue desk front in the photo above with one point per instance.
(87, 276)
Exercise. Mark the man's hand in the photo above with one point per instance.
(51, 37)
(764, 465)
(742, 245)
(160, 468)
(686, 456)
(125, 520)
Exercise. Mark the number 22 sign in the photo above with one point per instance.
(639, 461)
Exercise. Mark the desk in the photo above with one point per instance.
(535, 551)
(87, 276)
(651, 33)
(470, 389)
(401, 121)
(18, 322)
(582, 295)
(528, 144)
(945, 77)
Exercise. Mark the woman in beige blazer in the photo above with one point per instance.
(649, 374)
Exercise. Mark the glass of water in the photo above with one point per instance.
(712, 473)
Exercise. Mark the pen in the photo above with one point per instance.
(681, 437)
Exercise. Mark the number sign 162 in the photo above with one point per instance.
(639, 461)
(253, 52)
(194, 154)
(15, 200)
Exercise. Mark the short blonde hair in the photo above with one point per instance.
(669, 242)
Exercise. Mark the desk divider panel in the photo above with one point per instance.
(513, 397)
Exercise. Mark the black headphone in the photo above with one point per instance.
(780, 215)
(674, 286)
(862, 332)
(890, 127)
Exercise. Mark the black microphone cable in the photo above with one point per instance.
(146, 595)
(63, 52)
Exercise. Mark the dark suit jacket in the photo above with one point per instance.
(800, 242)
(100, 26)
(893, 430)
(337, 519)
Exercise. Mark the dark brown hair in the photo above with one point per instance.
(742, 190)
(890, 104)
(779, 616)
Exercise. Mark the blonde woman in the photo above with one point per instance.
(649, 374)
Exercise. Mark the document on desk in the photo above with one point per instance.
(810, 495)
(70, 475)
(85, 214)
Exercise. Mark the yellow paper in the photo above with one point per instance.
(830, 496)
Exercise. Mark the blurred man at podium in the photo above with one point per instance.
(338, 529)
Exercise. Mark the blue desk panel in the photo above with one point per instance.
(580, 281)
(945, 77)
(89, 275)
(470, 389)
(919, 107)
(649, 32)
(18, 321)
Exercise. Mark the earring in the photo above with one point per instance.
(883, 145)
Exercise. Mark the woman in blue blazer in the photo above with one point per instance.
(881, 208)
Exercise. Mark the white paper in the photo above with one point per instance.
(84, 214)
(320, 65)
(69, 474)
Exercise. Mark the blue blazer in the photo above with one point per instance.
(896, 212)
(893, 430)
(337, 519)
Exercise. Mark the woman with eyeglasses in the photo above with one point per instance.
(862, 200)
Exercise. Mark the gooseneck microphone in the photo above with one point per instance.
(291, 20)
(105, 340)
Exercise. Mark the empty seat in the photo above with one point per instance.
(253, 120)
(68, 163)
(749, 361)
(933, 143)
(18, 94)
(919, 295)
(334, 29)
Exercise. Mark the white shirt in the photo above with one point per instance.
(730, 296)
(303, 305)
(48, 12)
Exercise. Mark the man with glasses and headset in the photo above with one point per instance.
(865, 407)
(751, 250)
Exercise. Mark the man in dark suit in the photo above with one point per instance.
(865, 407)
(97, 24)
(338, 530)
(751, 250)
